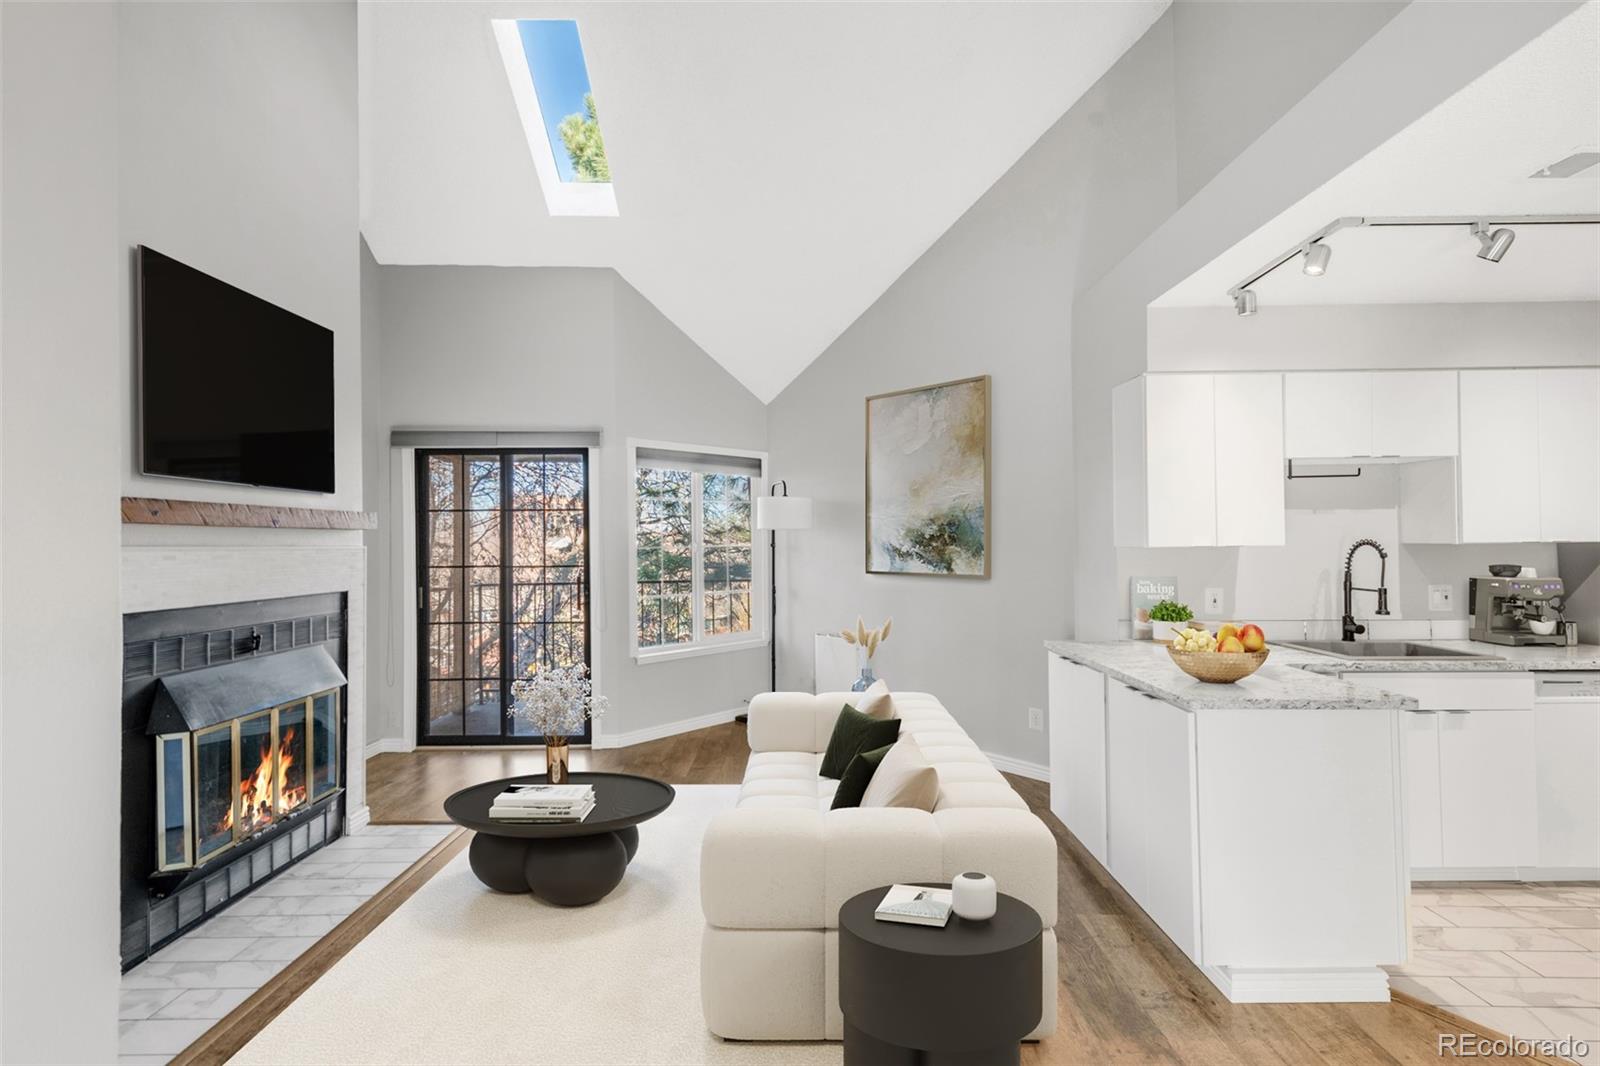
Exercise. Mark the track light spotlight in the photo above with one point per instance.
(1492, 244)
(1244, 304)
(1316, 262)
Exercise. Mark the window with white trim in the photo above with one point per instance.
(697, 574)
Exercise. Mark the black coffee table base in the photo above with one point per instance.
(862, 1047)
(567, 871)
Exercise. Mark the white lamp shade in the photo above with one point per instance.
(783, 512)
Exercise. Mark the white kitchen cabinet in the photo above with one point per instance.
(1197, 460)
(1078, 752)
(1327, 415)
(1424, 828)
(1500, 485)
(1567, 775)
(1568, 433)
(1152, 817)
(1249, 458)
(1486, 789)
(1415, 413)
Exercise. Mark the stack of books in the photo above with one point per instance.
(543, 804)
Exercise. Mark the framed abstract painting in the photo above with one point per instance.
(928, 480)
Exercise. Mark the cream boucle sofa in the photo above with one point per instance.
(775, 870)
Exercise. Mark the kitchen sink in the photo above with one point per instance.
(1381, 649)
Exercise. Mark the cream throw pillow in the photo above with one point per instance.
(875, 701)
(903, 779)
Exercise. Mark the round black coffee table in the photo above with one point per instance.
(966, 993)
(567, 864)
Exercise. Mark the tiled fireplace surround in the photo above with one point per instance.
(318, 576)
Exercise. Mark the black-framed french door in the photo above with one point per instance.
(502, 584)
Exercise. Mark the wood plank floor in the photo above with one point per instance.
(1126, 993)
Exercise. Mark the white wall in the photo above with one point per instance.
(1375, 336)
(60, 628)
(489, 348)
(238, 157)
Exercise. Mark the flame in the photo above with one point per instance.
(255, 788)
(289, 796)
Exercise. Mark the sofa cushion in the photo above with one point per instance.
(876, 702)
(854, 733)
(903, 779)
(858, 776)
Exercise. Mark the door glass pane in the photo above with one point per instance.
(291, 757)
(255, 773)
(213, 778)
(483, 707)
(174, 822)
(324, 744)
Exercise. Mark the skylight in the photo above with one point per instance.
(550, 84)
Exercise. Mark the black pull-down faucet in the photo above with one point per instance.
(1349, 620)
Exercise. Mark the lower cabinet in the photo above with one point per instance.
(1567, 785)
(1470, 790)
(1078, 752)
(1424, 823)
(1151, 810)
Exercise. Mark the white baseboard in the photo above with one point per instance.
(666, 729)
(1020, 767)
(1505, 873)
(357, 820)
(387, 744)
(1364, 984)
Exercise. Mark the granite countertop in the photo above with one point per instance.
(1144, 665)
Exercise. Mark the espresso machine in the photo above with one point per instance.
(1506, 610)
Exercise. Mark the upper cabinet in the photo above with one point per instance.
(1366, 414)
(1198, 460)
(1530, 455)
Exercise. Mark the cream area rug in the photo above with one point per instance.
(460, 974)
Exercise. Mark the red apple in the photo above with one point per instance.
(1252, 638)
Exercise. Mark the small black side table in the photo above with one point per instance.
(914, 994)
(569, 863)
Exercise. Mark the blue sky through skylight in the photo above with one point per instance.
(560, 78)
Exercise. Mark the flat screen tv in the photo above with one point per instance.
(231, 387)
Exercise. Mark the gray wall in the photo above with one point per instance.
(1579, 567)
(60, 465)
(491, 348)
(995, 295)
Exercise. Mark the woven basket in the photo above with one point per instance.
(1218, 667)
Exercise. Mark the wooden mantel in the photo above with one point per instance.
(145, 510)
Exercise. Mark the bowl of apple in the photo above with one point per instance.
(1221, 658)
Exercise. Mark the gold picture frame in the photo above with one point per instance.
(922, 521)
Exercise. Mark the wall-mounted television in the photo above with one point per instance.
(231, 388)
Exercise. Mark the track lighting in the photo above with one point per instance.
(1317, 256)
(1244, 304)
(1492, 244)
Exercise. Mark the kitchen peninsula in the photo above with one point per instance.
(1259, 824)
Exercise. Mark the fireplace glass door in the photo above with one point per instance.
(256, 745)
(502, 584)
(324, 744)
(291, 757)
(213, 783)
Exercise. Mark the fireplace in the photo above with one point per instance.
(220, 783)
(233, 755)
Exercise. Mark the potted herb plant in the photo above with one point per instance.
(1167, 616)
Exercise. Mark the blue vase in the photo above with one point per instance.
(866, 679)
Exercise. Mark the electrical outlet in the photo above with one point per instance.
(1035, 718)
(1440, 597)
(1213, 603)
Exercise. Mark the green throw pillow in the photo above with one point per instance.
(853, 734)
(857, 776)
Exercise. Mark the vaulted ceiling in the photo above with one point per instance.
(776, 165)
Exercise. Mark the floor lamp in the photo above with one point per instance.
(774, 511)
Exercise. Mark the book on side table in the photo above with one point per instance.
(915, 905)
(543, 803)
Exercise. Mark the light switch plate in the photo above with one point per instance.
(1213, 603)
(1035, 718)
(1440, 597)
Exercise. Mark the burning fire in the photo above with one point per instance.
(255, 788)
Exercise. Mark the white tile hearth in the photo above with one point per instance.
(172, 998)
(1523, 960)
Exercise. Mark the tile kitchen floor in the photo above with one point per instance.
(1522, 959)
(173, 997)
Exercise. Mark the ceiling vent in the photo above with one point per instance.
(1572, 165)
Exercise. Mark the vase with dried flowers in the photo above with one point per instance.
(555, 701)
(866, 642)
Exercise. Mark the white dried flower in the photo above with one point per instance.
(557, 700)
